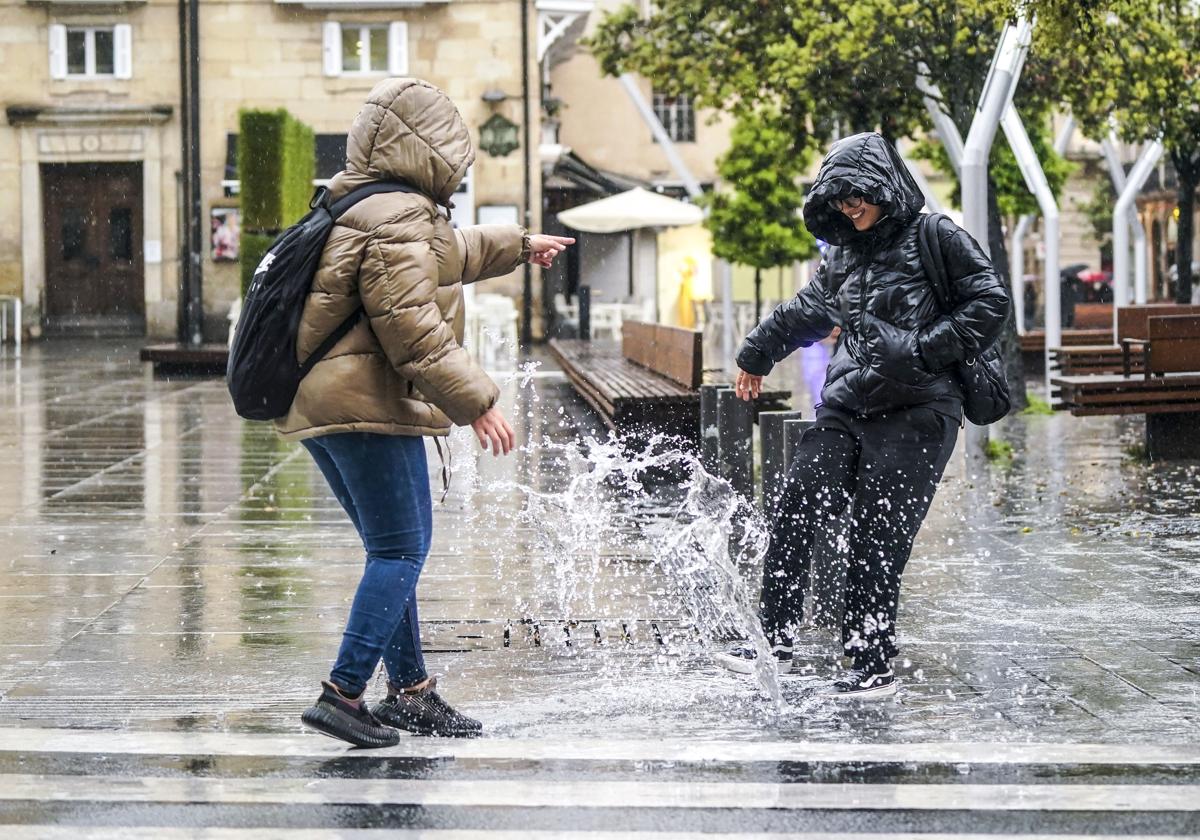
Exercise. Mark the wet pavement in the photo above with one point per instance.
(172, 573)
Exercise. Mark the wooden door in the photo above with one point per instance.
(93, 238)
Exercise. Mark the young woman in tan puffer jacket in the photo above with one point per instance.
(401, 373)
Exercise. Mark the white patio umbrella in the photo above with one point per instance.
(631, 210)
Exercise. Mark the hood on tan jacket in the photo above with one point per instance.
(410, 131)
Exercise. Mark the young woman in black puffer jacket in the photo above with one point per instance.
(891, 406)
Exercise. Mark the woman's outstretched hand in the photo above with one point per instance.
(747, 386)
(543, 248)
(494, 432)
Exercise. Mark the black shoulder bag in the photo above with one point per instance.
(986, 396)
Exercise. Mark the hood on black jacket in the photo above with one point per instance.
(866, 165)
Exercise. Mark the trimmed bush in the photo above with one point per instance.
(253, 246)
(276, 161)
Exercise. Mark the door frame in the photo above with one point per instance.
(93, 134)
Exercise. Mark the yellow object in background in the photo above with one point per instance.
(687, 279)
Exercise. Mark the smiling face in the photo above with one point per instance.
(861, 213)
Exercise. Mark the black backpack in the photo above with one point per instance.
(986, 396)
(263, 374)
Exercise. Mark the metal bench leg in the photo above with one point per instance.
(1173, 436)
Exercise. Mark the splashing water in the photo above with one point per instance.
(609, 518)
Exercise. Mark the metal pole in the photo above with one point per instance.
(725, 270)
(997, 90)
(1021, 230)
(660, 134)
(735, 425)
(184, 183)
(1141, 248)
(947, 131)
(771, 429)
(527, 276)
(1035, 179)
(1121, 225)
(196, 298)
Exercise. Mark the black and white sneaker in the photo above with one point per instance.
(353, 723)
(740, 659)
(424, 712)
(863, 683)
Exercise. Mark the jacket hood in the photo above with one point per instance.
(866, 165)
(407, 130)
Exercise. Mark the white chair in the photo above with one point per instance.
(606, 318)
(10, 303)
(497, 336)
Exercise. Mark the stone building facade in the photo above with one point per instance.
(90, 147)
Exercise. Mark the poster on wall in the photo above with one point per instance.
(226, 231)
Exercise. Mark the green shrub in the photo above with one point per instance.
(999, 450)
(253, 246)
(1035, 405)
(276, 161)
(276, 164)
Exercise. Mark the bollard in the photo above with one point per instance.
(710, 440)
(770, 435)
(827, 569)
(584, 294)
(735, 431)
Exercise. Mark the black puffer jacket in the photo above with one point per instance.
(897, 348)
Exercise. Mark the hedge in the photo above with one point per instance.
(253, 246)
(276, 162)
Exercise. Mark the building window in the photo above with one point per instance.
(677, 116)
(91, 52)
(353, 49)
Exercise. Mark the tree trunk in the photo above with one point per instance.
(1188, 174)
(757, 295)
(1010, 341)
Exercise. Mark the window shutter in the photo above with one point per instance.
(123, 51)
(58, 51)
(333, 48)
(398, 49)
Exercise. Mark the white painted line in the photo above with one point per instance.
(484, 793)
(49, 832)
(33, 739)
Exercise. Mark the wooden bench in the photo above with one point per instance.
(649, 383)
(186, 359)
(1167, 391)
(1106, 358)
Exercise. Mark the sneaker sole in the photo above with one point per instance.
(864, 693)
(745, 666)
(327, 723)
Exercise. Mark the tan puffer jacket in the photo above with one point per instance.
(402, 370)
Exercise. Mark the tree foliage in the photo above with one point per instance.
(755, 219)
(1132, 65)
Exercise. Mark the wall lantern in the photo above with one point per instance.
(498, 136)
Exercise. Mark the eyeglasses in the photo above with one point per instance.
(853, 202)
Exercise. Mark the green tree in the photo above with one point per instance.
(1133, 62)
(756, 220)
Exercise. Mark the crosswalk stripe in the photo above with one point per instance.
(305, 745)
(603, 794)
(48, 832)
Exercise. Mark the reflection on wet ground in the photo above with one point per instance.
(167, 566)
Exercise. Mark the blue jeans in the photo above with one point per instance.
(383, 483)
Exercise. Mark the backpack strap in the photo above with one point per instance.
(337, 208)
(330, 340)
(933, 261)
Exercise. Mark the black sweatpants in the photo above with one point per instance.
(887, 467)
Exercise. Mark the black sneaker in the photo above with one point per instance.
(424, 712)
(332, 715)
(867, 683)
(740, 659)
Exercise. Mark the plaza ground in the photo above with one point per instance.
(173, 584)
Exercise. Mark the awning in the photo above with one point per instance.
(631, 210)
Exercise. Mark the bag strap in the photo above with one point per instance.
(932, 260)
(350, 199)
(330, 340)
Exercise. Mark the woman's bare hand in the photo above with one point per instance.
(747, 386)
(543, 248)
(493, 432)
